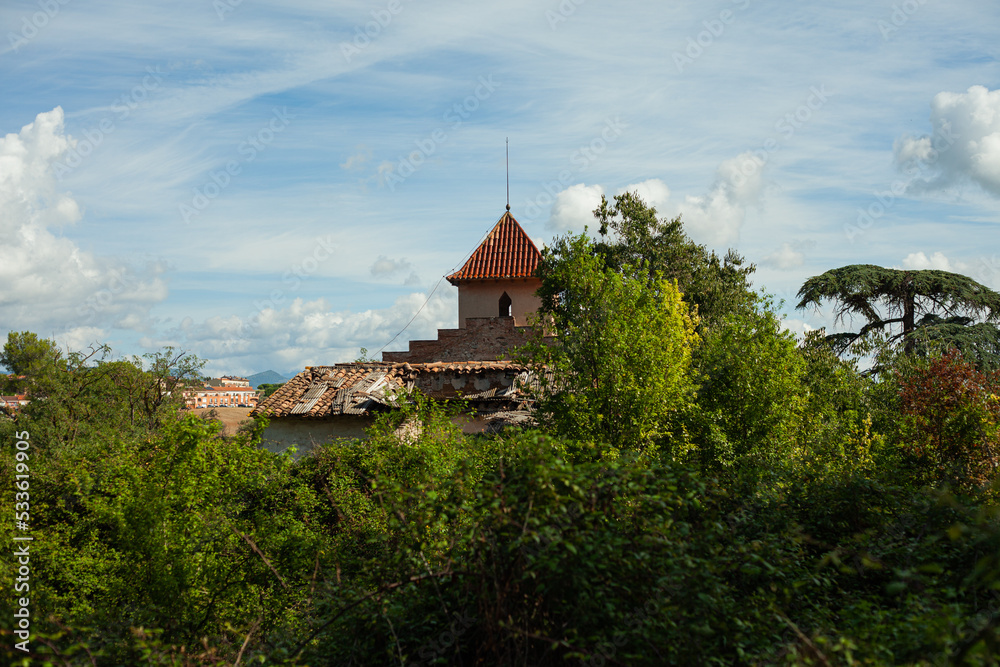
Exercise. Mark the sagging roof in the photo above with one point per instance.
(364, 388)
(507, 252)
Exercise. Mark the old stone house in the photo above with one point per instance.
(496, 296)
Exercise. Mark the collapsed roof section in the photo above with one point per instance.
(362, 389)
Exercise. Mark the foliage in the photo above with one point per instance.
(549, 557)
(978, 342)
(31, 360)
(749, 374)
(395, 515)
(186, 532)
(79, 395)
(28, 355)
(551, 564)
(150, 383)
(638, 244)
(829, 517)
(836, 432)
(374, 488)
(937, 305)
(620, 355)
(269, 389)
(951, 419)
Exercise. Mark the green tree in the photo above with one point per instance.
(836, 434)
(149, 383)
(270, 388)
(916, 307)
(33, 363)
(79, 393)
(750, 396)
(636, 242)
(621, 351)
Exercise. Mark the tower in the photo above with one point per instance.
(498, 279)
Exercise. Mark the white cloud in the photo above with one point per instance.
(49, 283)
(716, 218)
(964, 145)
(80, 339)
(385, 267)
(785, 257)
(917, 261)
(798, 327)
(653, 191)
(574, 208)
(309, 333)
(383, 171)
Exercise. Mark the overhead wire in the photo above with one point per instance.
(431, 295)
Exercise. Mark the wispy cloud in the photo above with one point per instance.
(596, 105)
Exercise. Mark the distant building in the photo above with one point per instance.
(14, 403)
(221, 397)
(232, 381)
(496, 297)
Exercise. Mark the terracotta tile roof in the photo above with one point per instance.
(14, 402)
(507, 252)
(363, 388)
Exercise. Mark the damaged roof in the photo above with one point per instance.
(363, 388)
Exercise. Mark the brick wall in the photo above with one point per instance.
(482, 339)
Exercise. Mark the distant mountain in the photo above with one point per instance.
(267, 377)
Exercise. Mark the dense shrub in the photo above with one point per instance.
(951, 419)
(828, 517)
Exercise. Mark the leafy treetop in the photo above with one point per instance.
(637, 244)
(929, 305)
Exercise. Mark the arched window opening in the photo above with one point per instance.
(505, 305)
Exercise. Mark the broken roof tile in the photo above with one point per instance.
(360, 388)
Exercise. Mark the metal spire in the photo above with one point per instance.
(508, 174)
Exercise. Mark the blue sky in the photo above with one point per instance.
(274, 185)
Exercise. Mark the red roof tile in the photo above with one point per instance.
(507, 252)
